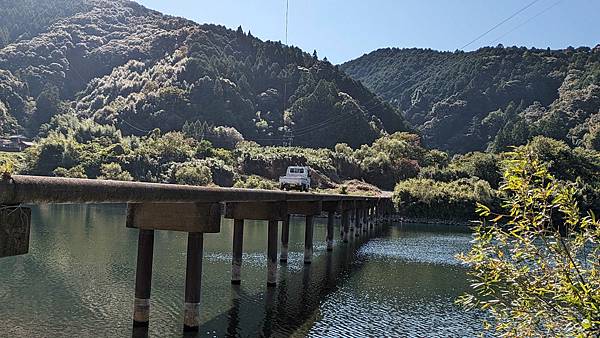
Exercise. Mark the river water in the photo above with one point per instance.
(78, 279)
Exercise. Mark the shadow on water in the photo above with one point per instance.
(281, 310)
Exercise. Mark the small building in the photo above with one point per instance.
(15, 143)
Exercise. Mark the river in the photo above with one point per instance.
(78, 279)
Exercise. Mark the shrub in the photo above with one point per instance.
(455, 200)
(534, 265)
(56, 150)
(10, 163)
(113, 171)
(255, 182)
(193, 173)
(75, 172)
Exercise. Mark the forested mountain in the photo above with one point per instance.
(122, 64)
(490, 98)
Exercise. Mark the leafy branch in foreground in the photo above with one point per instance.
(536, 268)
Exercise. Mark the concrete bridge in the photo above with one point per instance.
(191, 209)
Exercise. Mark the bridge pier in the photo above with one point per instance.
(309, 209)
(352, 221)
(357, 221)
(373, 217)
(285, 238)
(193, 280)
(330, 223)
(238, 243)
(272, 253)
(331, 207)
(308, 239)
(345, 225)
(366, 220)
(143, 278)
(273, 212)
(193, 218)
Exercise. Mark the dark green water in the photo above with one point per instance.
(78, 281)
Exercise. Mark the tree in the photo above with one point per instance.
(75, 172)
(535, 267)
(592, 139)
(47, 105)
(113, 171)
(193, 173)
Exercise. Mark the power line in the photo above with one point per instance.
(456, 62)
(500, 24)
(333, 120)
(527, 21)
(313, 128)
(289, 134)
(337, 119)
(132, 126)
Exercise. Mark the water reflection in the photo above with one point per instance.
(78, 281)
(281, 310)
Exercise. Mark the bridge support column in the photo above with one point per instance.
(238, 243)
(385, 214)
(285, 238)
(193, 280)
(331, 207)
(308, 239)
(330, 221)
(272, 253)
(273, 212)
(365, 220)
(345, 225)
(193, 218)
(143, 278)
(357, 221)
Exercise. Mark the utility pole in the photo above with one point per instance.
(288, 138)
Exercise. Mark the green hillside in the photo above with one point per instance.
(490, 98)
(125, 65)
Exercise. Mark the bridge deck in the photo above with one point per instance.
(40, 189)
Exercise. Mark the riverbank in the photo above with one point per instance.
(434, 221)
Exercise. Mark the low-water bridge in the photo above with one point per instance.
(191, 209)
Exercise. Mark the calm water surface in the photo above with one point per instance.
(78, 281)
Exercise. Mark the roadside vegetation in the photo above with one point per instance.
(450, 192)
(201, 154)
(426, 183)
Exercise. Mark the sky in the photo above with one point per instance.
(342, 30)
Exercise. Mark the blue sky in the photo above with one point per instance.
(345, 29)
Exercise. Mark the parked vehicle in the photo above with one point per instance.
(296, 177)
